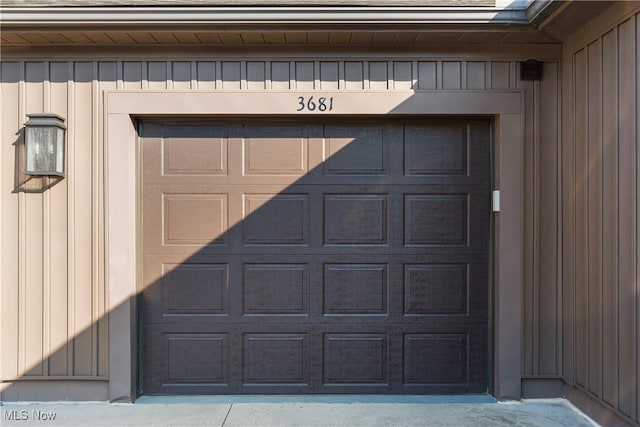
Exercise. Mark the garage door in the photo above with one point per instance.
(346, 256)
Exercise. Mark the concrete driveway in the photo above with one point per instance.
(283, 411)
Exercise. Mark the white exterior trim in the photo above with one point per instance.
(113, 16)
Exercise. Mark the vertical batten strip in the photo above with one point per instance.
(550, 199)
(366, 75)
(218, 74)
(610, 232)
(243, 75)
(627, 218)
(34, 236)
(567, 159)
(119, 75)
(316, 75)
(108, 80)
(414, 75)
(71, 214)
(292, 75)
(22, 250)
(636, 20)
(46, 241)
(528, 353)
(487, 75)
(463, 75)
(59, 327)
(268, 83)
(580, 93)
(194, 75)
(83, 116)
(536, 226)
(95, 288)
(145, 75)
(10, 114)
(595, 218)
(548, 171)
(169, 75)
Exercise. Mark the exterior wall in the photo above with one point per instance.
(600, 215)
(53, 299)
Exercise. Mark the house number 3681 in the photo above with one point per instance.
(321, 103)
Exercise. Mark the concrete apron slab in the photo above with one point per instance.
(284, 411)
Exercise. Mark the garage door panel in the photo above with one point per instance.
(436, 289)
(290, 257)
(281, 219)
(436, 150)
(275, 359)
(356, 359)
(432, 219)
(355, 150)
(275, 289)
(354, 219)
(183, 150)
(342, 288)
(215, 219)
(355, 289)
(436, 358)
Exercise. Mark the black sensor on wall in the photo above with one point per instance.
(531, 70)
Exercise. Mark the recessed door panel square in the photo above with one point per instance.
(436, 219)
(355, 219)
(355, 150)
(276, 219)
(195, 150)
(274, 150)
(193, 359)
(275, 359)
(195, 289)
(355, 359)
(195, 156)
(436, 150)
(272, 289)
(352, 289)
(199, 219)
(435, 358)
(435, 289)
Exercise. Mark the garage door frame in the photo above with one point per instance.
(122, 109)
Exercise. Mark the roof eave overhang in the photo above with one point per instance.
(12, 18)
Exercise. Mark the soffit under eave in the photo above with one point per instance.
(229, 26)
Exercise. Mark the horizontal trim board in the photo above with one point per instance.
(533, 388)
(56, 378)
(111, 16)
(45, 390)
(77, 3)
(595, 409)
(326, 398)
(284, 52)
(344, 103)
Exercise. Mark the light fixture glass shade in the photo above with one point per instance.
(44, 144)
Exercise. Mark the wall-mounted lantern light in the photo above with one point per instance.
(44, 144)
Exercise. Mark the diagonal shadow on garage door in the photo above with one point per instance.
(335, 256)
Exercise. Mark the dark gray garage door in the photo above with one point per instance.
(315, 257)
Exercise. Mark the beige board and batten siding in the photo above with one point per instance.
(600, 215)
(53, 302)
